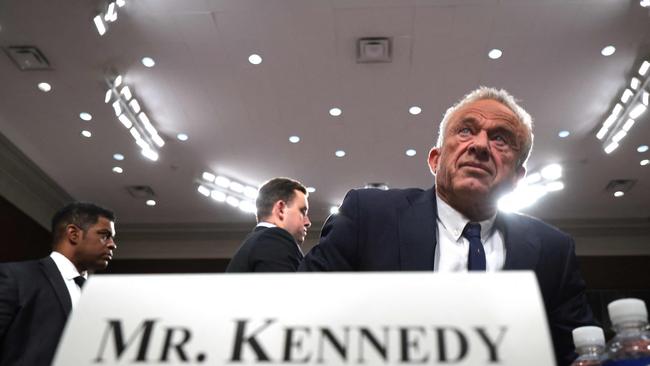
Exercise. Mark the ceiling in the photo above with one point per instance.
(239, 116)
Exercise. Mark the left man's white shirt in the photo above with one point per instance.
(68, 273)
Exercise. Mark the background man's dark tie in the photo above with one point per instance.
(476, 258)
(79, 280)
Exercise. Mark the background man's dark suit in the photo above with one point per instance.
(267, 250)
(395, 230)
(34, 306)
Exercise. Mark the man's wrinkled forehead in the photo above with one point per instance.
(486, 109)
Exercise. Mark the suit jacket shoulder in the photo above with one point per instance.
(266, 250)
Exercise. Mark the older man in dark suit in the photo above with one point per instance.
(483, 144)
(37, 296)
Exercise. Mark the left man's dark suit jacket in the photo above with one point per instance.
(266, 250)
(34, 306)
(395, 230)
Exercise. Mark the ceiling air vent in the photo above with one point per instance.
(620, 185)
(373, 50)
(142, 192)
(28, 58)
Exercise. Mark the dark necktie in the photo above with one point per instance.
(79, 280)
(476, 257)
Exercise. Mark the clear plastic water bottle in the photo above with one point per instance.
(631, 344)
(590, 346)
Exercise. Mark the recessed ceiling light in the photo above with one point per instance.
(107, 97)
(118, 157)
(619, 194)
(99, 24)
(311, 189)
(118, 81)
(120, 3)
(410, 152)
(86, 133)
(495, 53)
(151, 203)
(335, 112)
(339, 153)
(232, 201)
(564, 134)
(148, 62)
(218, 196)
(608, 51)
(644, 162)
(117, 169)
(415, 110)
(294, 139)
(44, 87)
(642, 148)
(644, 68)
(85, 116)
(182, 137)
(204, 190)
(255, 59)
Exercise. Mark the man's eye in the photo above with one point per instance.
(465, 131)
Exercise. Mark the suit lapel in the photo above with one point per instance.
(522, 246)
(417, 232)
(53, 276)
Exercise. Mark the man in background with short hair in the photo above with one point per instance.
(37, 296)
(282, 223)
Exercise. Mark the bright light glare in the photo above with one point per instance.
(637, 111)
(148, 62)
(45, 87)
(99, 24)
(125, 120)
(107, 97)
(495, 53)
(208, 176)
(608, 51)
(552, 172)
(619, 136)
(218, 196)
(86, 133)
(255, 59)
(523, 196)
(634, 84)
(118, 157)
(120, 3)
(236, 187)
(533, 178)
(611, 147)
(294, 139)
(182, 137)
(232, 201)
(117, 169)
(117, 108)
(85, 116)
(204, 190)
(118, 81)
(149, 154)
(411, 152)
(554, 186)
(415, 110)
(250, 192)
(339, 153)
(126, 91)
(642, 148)
(644, 162)
(628, 125)
(151, 203)
(334, 210)
(222, 181)
(564, 134)
(644, 68)
(311, 189)
(603, 131)
(135, 105)
(335, 112)
(248, 207)
(627, 94)
(619, 194)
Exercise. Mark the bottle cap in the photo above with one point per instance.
(588, 336)
(627, 310)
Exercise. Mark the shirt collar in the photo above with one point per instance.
(65, 266)
(455, 222)
(265, 224)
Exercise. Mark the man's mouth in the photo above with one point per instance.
(476, 166)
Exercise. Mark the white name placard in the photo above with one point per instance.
(374, 319)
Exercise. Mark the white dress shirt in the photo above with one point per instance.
(268, 224)
(69, 272)
(453, 249)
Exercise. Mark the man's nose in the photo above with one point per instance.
(112, 245)
(480, 144)
(307, 222)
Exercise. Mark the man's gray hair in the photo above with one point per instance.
(503, 97)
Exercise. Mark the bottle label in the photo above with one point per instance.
(645, 361)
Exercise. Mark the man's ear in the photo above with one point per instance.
(73, 233)
(521, 173)
(434, 155)
(279, 209)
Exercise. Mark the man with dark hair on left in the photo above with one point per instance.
(37, 296)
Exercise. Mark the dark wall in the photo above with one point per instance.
(22, 237)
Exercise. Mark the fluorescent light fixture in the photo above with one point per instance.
(135, 133)
(251, 192)
(533, 178)
(125, 121)
(182, 137)
(619, 194)
(218, 196)
(158, 140)
(644, 68)
(628, 125)
(637, 111)
(339, 153)
(611, 147)
(120, 3)
(117, 107)
(255, 59)
(634, 84)
(110, 12)
(147, 124)
(135, 106)
(248, 207)
(118, 157)
(619, 136)
(642, 148)
(204, 190)
(232, 201)
(148, 62)
(495, 53)
(149, 154)
(208, 176)
(608, 50)
(143, 144)
(99, 24)
(618, 108)
(118, 170)
(523, 196)
(85, 116)
(552, 172)
(222, 181)
(44, 87)
(311, 189)
(126, 92)
(415, 110)
(627, 94)
(554, 186)
(564, 134)
(236, 187)
(645, 98)
(602, 132)
(645, 3)
(118, 81)
(86, 133)
(334, 210)
(151, 203)
(335, 112)
(107, 97)
(610, 120)
(411, 152)
(644, 162)
(294, 139)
